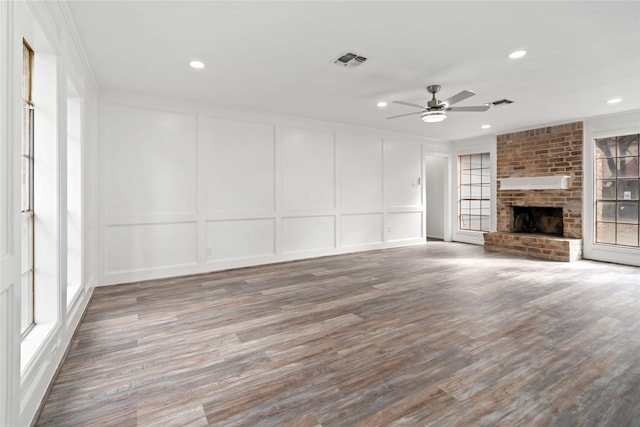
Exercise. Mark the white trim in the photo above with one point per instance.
(8, 272)
(164, 218)
(77, 43)
(601, 127)
(178, 106)
(9, 221)
(32, 346)
(113, 278)
(615, 254)
(472, 237)
(483, 144)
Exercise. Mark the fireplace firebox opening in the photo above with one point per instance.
(532, 219)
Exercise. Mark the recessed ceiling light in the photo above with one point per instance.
(196, 64)
(517, 54)
(614, 100)
(485, 126)
(382, 104)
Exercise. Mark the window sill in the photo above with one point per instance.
(32, 345)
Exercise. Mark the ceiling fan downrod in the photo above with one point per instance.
(433, 89)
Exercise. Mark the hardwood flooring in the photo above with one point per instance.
(436, 335)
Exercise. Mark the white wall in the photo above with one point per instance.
(74, 193)
(601, 127)
(28, 365)
(188, 188)
(481, 144)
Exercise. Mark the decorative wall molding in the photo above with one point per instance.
(291, 180)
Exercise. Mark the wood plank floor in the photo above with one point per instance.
(436, 335)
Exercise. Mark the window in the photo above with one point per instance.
(27, 235)
(616, 190)
(474, 206)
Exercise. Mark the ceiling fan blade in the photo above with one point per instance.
(408, 114)
(458, 97)
(408, 104)
(474, 108)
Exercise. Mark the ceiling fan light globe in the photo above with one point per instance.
(433, 116)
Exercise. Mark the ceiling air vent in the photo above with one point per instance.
(349, 59)
(500, 102)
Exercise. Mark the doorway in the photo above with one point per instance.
(436, 178)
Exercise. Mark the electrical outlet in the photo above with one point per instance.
(389, 229)
(209, 251)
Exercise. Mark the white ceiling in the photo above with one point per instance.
(275, 57)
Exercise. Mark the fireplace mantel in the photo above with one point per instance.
(535, 183)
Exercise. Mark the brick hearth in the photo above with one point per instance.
(549, 151)
(535, 245)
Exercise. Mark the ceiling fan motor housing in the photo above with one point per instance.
(433, 89)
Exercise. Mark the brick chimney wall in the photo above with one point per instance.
(554, 150)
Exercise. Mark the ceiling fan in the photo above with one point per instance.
(435, 111)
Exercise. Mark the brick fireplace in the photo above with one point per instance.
(548, 163)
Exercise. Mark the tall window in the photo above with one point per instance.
(474, 206)
(27, 318)
(617, 184)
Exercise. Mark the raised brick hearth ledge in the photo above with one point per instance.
(536, 245)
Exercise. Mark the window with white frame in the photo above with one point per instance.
(617, 184)
(27, 232)
(474, 202)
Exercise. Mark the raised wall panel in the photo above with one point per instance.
(237, 159)
(307, 169)
(148, 246)
(150, 161)
(240, 238)
(302, 234)
(360, 229)
(360, 166)
(404, 226)
(402, 170)
(249, 188)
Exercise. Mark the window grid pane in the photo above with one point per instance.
(475, 192)
(617, 191)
